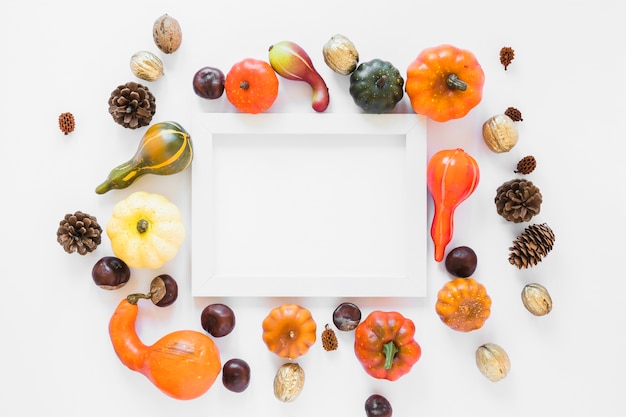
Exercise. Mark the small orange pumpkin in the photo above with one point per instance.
(463, 304)
(289, 331)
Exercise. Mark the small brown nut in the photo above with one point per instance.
(167, 34)
(340, 54)
(146, 65)
(492, 361)
(500, 133)
(288, 382)
(536, 299)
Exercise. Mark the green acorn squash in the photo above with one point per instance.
(376, 86)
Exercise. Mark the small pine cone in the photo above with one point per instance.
(507, 54)
(531, 246)
(132, 105)
(518, 200)
(526, 165)
(514, 114)
(329, 339)
(79, 232)
(66, 122)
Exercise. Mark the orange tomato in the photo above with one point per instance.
(251, 85)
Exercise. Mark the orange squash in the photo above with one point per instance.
(289, 330)
(183, 364)
(463, 304)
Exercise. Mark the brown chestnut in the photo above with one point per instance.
(110, 273)
(236, 375)
(347, 316)
(163, 290)
(377, 406)
(208, 82)
(217, 319)
(461, 262)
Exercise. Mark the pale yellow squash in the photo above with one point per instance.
(146, 230)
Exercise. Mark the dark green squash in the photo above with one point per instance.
(376, 86)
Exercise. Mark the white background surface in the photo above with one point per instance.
(68, 56)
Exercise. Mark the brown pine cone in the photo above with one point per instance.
(329, 339)
(132, 105)
(79, 232)
(526, 165)
(531, 246)
(518, 200)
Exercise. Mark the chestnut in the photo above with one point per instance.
(377, 406)
(461, 262)
(208, 82)
(347, 316)
(110, 273)
(236, 375)
(217, 319)
(163, 290)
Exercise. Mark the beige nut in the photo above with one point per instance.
(340, 54)
(167, 34)
(288, 382)
(492, 361)
(500, 133)
(536, 299)
(146, 65)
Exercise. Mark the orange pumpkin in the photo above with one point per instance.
(463, 304)
(289, 331)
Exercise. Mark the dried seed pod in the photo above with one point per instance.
(526, 165)
(340, 54)
(500, 133)
(492, 361)
(146, 65)
(66, 122)
(514, 114)
(329, 339)
(288, 382)
(536, 299)
(167, 34)
(507, 55)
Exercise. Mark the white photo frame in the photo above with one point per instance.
(306, 205)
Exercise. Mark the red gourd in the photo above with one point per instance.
(183, 364)
(452, 176)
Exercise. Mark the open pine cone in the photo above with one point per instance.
(132, 105)
(531, 246)
(518, 200)
(79, 232)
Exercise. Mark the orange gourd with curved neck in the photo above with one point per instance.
(452, 176)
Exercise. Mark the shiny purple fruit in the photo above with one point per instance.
(208, 83)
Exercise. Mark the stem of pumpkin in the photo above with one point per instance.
(389, 349)
(455, 83)
(142, 225)
(133, 298)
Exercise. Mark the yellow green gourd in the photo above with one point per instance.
(165, 149)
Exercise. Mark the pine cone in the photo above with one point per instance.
(507, 54)
(518, 200)
(531, 246)
(79, 232)
(66, 122)
(514, 114)
(526, 165)
(329, 339)
(132, 105)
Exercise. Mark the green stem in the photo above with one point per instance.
(389, 349)
(134, 298)
(455, 83)
(143, 225)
